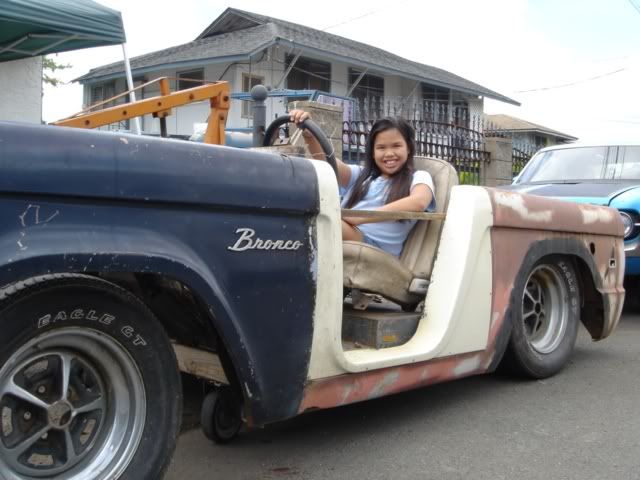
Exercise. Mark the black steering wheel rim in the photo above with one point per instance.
(312, 127)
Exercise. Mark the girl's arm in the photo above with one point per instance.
(344, 172)
(419, 198)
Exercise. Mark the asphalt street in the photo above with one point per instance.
(584, 423)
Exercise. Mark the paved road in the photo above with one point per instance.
(581, 424)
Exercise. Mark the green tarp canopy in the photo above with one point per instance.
(38, 27)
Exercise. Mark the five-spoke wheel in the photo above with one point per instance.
(544, 315)
(81, 397)
(65, 394)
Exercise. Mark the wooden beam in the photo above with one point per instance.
(288, 71)
(392, 215)
(355, 84)
(200, 363)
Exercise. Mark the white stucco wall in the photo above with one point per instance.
(392, 87)
(339, 78)
(476, 105)
(21, 90)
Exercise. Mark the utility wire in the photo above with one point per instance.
(368, 14)
(351, 20)
(572, 83)
(623, 121)
(634, 5)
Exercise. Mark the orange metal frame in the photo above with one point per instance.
(160, 107)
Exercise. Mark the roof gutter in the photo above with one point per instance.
(88, 78)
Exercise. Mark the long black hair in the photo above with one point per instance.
(401, 180)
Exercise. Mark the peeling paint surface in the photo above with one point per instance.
(31, 216)
(516, 210)
(520, 223)
(389, 379)
(351, 388)
(589, 215)
(515, 202)
(467, 365)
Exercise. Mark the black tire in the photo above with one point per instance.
(220, 417)
(116, 358)
(632, 294)
(545, 312)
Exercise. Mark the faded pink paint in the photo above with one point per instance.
(519, 221)
(531, 212)
(355, 387)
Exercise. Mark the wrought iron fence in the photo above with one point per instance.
(373, 108)
(521, 153)
(441, 131)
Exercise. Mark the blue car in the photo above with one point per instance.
(598, 174)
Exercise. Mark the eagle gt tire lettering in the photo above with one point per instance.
(89, 387)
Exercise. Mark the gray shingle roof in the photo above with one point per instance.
(514, 124)
(238, 43)
(236, 33)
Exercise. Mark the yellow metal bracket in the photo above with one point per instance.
(160, 107)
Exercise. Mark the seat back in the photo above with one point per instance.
(418, 253)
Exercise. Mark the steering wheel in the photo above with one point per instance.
(315, 130)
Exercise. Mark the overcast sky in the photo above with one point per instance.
(574, 65)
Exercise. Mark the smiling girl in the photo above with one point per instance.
(387, 182)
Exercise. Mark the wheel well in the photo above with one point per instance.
(592, 315)
(183, 314)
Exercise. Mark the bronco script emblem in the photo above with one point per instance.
(248, 241)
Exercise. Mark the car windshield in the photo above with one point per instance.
(583, 163)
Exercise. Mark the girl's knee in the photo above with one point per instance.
(349, 232)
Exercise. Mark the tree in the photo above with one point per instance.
(49, 64)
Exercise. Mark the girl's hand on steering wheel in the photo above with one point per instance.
(299, 116)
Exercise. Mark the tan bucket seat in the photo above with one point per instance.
(403, 280)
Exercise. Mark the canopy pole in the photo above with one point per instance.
(132, 93)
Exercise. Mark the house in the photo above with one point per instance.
(247, 49)
(526, 133)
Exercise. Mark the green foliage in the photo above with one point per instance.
(470, 177)
(50, 65)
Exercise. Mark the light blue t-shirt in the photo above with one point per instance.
(389, 236)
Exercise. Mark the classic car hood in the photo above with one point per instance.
(597, 193)
(73, 162)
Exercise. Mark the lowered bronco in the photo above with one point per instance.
(125, 260)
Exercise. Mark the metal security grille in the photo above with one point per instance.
(441, 131)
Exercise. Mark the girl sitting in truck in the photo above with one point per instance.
(387, 182)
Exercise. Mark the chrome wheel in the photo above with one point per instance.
(72, 406)
(545, 308)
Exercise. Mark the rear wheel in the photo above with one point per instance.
(80, 392)
(545, 308)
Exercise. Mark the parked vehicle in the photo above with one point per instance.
(125, 259)
(596, 174)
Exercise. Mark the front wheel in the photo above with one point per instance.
(89, 387)
(220, 417)
(545, 311)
